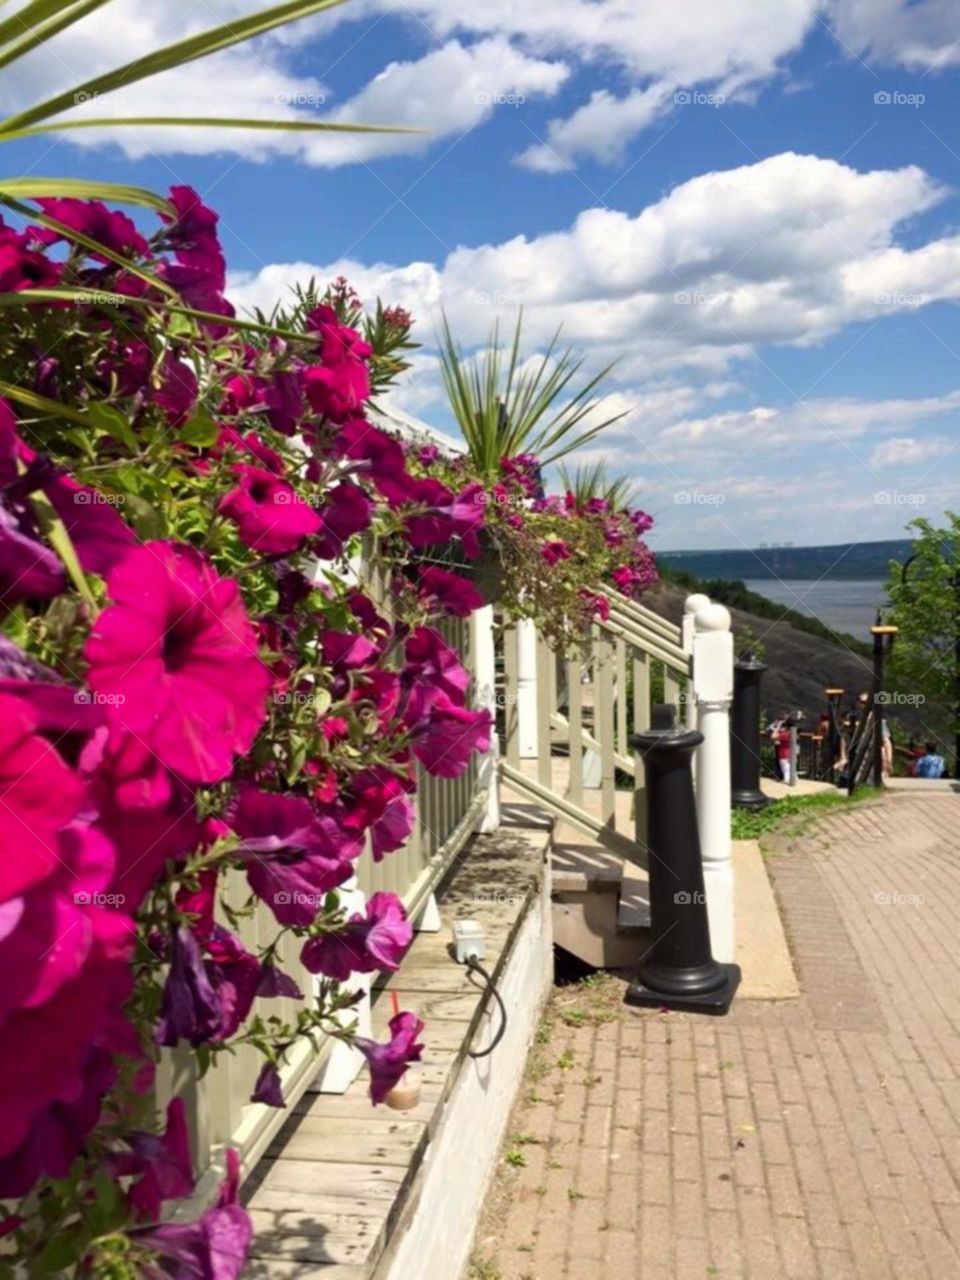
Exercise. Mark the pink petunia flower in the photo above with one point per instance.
(445, 592)
(388, 1062)
(555, 551)
(178, 655)
(270, 515)
(375, 940)
(447, 735)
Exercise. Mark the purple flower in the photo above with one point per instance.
(163, 1163)
(235, 976)
(431, 665)
(28, 569)
(190, 1010)
(294, 855)
(375, 940)
(346, 512)
(212, 1248)
(555, 551)
(445, 592)
(346, 652)
(274, 982)
(389, 1061)
(446, 516)
(268, 1088)
(447, 735)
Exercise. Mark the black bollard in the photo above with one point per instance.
(745, 734)
(833, 733)
(679, 971)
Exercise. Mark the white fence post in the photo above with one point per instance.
(485, 697)
(527, 688)
(713, 688)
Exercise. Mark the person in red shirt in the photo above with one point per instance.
(781, 737)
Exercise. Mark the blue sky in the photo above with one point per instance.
(751, 205)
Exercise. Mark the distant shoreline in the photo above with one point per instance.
(845, 561)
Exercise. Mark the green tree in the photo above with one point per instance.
(925, 595)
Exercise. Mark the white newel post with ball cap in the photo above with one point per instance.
(713, 690)
(691, 606)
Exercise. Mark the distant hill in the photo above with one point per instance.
(840, 560)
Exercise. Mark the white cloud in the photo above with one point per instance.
(907, 451)
(909, 33)
(788, 250)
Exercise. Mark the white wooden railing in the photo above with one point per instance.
(566, 724)
(448, 812)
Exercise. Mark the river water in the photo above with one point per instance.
(849, 606)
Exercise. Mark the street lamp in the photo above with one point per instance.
(883, 636)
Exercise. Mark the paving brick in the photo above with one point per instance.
(817, 1137)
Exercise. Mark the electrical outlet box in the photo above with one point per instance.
(468, 941)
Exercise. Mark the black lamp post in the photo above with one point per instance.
(883, 637)
(745, 734)
(678, 971)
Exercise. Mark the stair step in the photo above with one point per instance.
(634, 910)
(582, 868)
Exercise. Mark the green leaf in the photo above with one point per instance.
(144, 516)
(115, 424)
(38, 22)
(82, 189)
(204, 122)
(179, 54)
(34, 401)
(201, 431)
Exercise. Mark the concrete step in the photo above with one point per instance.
(588, 904)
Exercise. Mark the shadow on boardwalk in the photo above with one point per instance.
(814, 1137)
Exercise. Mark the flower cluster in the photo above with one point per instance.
(189, 689)
(196, 692)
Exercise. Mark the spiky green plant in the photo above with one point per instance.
(506, 405)
(37, 22)
(591, 480)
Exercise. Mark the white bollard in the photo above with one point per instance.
(713, 688)
(527, 688)
(691, 606)
(485, 696)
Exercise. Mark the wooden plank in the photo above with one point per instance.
(371, 1140)
(344, 1180)
(298, 1235)
(545, 664)
(575, 720)
(622, 710)
(641, 721)
(603, 710)
(511, 673)
(280, 1269)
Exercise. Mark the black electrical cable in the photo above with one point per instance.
(474, 965)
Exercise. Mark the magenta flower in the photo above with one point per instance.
(162, 1163)
(389, 1061)
(177, 393)
(555, 551)
(21, 267)
(270, 515)
(338, 388)
(381, 457)
(178, 653)
(378, 803)
(447, 735)
(375, 940)
(192, 234)
(625, 579)
(446, 516)
(39, 795)
(108, 227)
(445, 592)
(345, 652)
(431, 661)
(98, 534)
(346, 511)
(294, 855)
(212, 1248)
(235, 975)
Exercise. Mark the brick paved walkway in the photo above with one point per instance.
(817, 1137)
